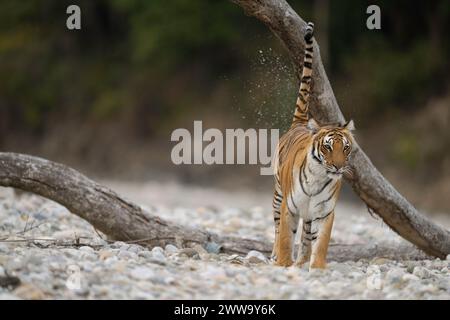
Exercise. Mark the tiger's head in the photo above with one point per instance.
(332, 146)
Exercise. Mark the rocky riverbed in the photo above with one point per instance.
(48, 253)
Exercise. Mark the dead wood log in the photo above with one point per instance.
(107, 211)
(368, 183)
(122, 220)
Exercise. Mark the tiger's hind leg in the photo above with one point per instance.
(276, 205)
(286, 236)
(323, 228)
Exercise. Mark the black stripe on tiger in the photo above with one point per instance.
(323, 187)
(323, 217)
(301, 115)
(307, 64)
(329, 198)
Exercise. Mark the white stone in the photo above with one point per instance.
(171, 249)
(410, 277)
(142, 273)
(86, 249)
(158, 249)
(421, 272)
(256, 257)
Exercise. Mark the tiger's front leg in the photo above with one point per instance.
(286, 235)
(323, 227)
(304, 249)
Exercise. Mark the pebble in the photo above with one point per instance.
(171, 249)
(190, 252)
(142, 273)
(158, 254)
(105, 254)
(125, 254)
(86, 249)
(158, 250)
(421, 272)
(410, 277)
(394, 275)
(256, 257)
(213, 247)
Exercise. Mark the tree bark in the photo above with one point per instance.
(122, 220)
(368, 183)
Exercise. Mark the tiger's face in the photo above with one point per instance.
(332, 147)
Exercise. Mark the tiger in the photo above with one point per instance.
(312, 159)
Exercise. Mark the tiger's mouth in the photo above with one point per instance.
(346, 170)
(335, 173)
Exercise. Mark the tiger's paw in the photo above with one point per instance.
(284, 262)
(318, 265)
(301, 262)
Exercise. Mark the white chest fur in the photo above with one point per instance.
(314, 188)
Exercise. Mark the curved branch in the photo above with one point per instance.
(368, 183)
(108, 212)
(122, 220)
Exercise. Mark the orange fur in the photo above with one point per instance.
(328, 148)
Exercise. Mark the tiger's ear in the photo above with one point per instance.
(350, 126)
(313, 125)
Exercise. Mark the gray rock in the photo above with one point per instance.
(126, 255)
(16, 263)
(118, 244)
(158, 249)
(158, 254)
(142, 273)
(394, 276)
(86, 249)
(190, 252)
(8, 296)
(212, 247)
(421, 272)
(146, 254)
(4, 247)
(410, 277)
(256, 257)
(135, 248)
(171, 249)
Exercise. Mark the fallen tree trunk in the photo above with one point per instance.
(107, 211)
(122, 220)
(368, 183)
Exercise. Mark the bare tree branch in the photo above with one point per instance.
(122, 220)
(108, 212)
(367, 182)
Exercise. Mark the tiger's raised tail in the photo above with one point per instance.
(301, 110)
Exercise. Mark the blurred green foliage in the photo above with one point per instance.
(151, 62)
